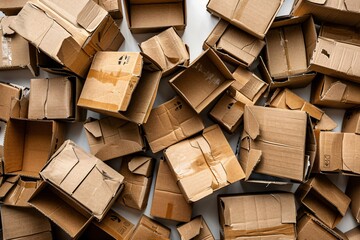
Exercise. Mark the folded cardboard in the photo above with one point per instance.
(353, 234)
(324, 200)
(148, 228)
(353, 191)
(7, 183)
(21, 192)
(110, 137)
(351, 121)
(1, 162)
(137, 171)
(341, 33)
(196, 229)
(233, 44)
(204, 80)
(168, 201)
(203, 164)
(155, 15)
(254, 17)
(11, 7)
(170, 123)
(8, 93)
(113, 7)
(28, 145)
(19, 107)
(261, 216)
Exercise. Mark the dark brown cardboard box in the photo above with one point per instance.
(148, 228)
(196, 229)
(351, 121)
(353, 191)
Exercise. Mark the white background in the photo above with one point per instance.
(199, 25)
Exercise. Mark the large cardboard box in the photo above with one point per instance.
(21, 192)
(203, 164)
(148, 228)
(155, 15)
(353, 234)
(353, 191)
(324, 200)
(28, 145)
(254, 17)
(204, 80)
(278, 143)
(170, 123)
(234, 45)
(11, 7)
(195, 229)
(70, 33)
(351, 121)
(110, 137)
(168, 201)
(113, 7)
(261, 216)
(8, 94)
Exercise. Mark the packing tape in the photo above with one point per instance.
(6, 58)
(169, 210)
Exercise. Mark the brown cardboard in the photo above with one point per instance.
(28, 145)
(168, 201)
(7, 183)
(11, 7)
(21, 192)
(261, 216)
(324, 200)
(353, 234)
(351, 121)
(353, 191)
(254, 17)
(113, 7)
(19, 107)
(170, 123)
(233, 44)
(20, 223)
(341, 33)
(196, 229)
(137, 171)
(145, 16)
(204, 80)
(8, 92)
(148, 228)
(278, 143)
(203, 164)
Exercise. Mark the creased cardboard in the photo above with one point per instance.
(113, 7)
(11, 7)
(148, 228)
(7, 183)
(262, 216)
(21, 192)
(170, 123)
(341, 33)
(353, 234)
(19, 107)
(168, 201)
(8, 92)
(351, 121)
(203, 164)
(353, 191)
(196, 229)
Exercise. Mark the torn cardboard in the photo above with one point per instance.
(351, 121)
(113, 7)
(353, 191)
(21, 192)
(353, 234)
(196, 229)
(8, 93)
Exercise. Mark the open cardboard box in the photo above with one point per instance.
(353, 191)
(351, 121)
(20, 192)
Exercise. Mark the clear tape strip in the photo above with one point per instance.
(6, 57)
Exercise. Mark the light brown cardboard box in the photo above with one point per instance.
(353, 191)
(28, 145)
(8, 93)
(353, 234)
(110, 137)
(278, 143)
(323, 199)
(145, 16)
(11, 7)
(113, 7)
(148, 228)
(351, 121)
(20, 223)
(203, 164)
(260, 216)
(204, 80)
(170, 123)
(21, 192)
(254, 17)
(196, 229)
(137, 171)
(233, 44)
(19, 107)
(168, 201)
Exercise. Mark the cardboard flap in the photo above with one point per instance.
(254, 157)
(4, 25)
(251, 125)
(118, 149)
(322, 2)
(191, 230)
(139, 165)
(335, 92)
(91, 16)
(288, 208)
(94, 128)
(293, 102)
(352, 5)
(326, 123)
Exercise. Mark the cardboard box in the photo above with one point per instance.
(8, 93)
(110, 137)
(137, 171)
(286, 99)
(21, 192)
(259, 216)
(16, 52)
(324, 200)
(234, 45)
(113, 7)
(148, 228)
(353, 234)
(168, 201)
(195, 229)
(20, 223)
(19, 107)
(203, 164)
(55, 98)
(145, 16)
(7, 183)
(278, 143)
(11, 7)
(341, 33)
(204, 80)
(28, 145)
(351, 121)
(71, 43)
(254, 17)
(170, 123)
(353, 191)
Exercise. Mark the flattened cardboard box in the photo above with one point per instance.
(203, 164)
(113, 7)
(21, 192)
(8, 93)
(353, 191)
(196, 229)
(170, 123)
(11, 7)
(261, 216)
(168, 201)
(351, 121)
(110, 137)
(242, 14)
(353, 234)
(148, 228)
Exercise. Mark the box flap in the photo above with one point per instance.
(91, 16)
(251, 125)
(351, 153)
(352, 5)
(5, 25)
(93, 127)
(253, 158)
(191, 229)
(322, 2)
(335, 92)
(21, 193)
(148, 228)
(353, 234)
(7, 185)
(140, 165)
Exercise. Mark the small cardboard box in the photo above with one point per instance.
(137, 171)
(234, 45)
(110, 137)
(148, 228)
(351, 121)
(254, 17)
(145, 16)
(21, 192)
(195, 229)
(278, 143)
(259, 216)
(203, 164)
(28, 223)
(204, 80)
(168, 201)
(113, 7)
(28, 145)
(168, 50)
(170, 123)
(8, 93)
(353, 191)
(11, 7)
(323, 199)
(353, 234)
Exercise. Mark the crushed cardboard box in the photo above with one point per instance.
(113, 7)
(353, 191)
(11, 7)
(21, 192)
(195, 229)
(351, 121)
(148, 228)
(9, 93)
(353, 234)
